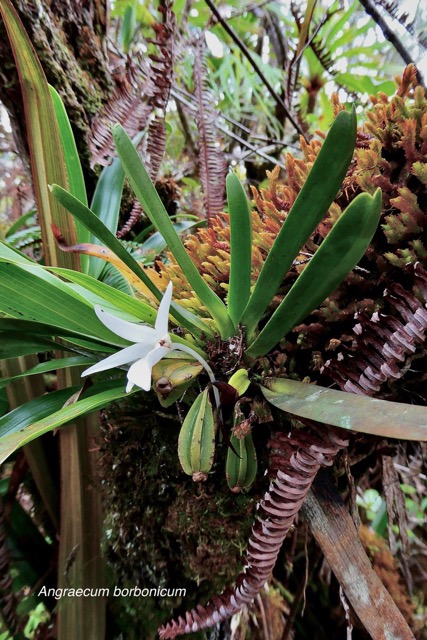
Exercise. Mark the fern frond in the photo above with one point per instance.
(144, 90)
(295, 461)
(384, 343)
(212, 163)
(394, 10)
(323, 54)
(127, 106)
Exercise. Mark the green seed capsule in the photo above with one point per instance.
(196, 442)
(241, 471)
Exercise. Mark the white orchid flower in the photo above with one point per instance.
(151, 345)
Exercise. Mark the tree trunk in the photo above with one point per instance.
(70, 41)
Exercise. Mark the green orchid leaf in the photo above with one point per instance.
(47, 159)
(50, 303)
(100, 231)
(51, 365)
(314, 199)
(13, 345)
(109, 298)
(106, 203)
(154, 209)
(240, 248)
(348, 410)
(73, 165)
(338, 254)
(129, 25)
(31, 420)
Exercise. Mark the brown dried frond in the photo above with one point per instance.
(384, 342)
(212, 163)
(295, 461)
(144, 90)
(128, 106)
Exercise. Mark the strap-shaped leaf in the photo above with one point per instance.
(338, 254)
(240, 248)
(348, 410)
(107, 296)
(314, 199)
(50, 365)
(44, 334)
(153, 207)
(106, 203)
(46, 155)
(26, 294)
(14, 346)
(99, 230)
(39, 416)
(73, 165)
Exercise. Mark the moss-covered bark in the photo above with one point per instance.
(163, 530)
(70, 41)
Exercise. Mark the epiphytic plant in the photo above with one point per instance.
(226, 332)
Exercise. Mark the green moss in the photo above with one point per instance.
(163, 530)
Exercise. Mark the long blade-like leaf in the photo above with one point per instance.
(106, 203)
(338, 254)
(47, 161)
(43, 302)
(50, 365)
(94, 224)
(111, 299)
(240, 248)
(153, 207)
(72, 164)
(348, 410)
(13, 345)
(39, 416)
(312, 203)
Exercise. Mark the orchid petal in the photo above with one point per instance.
(140, 372)
(162, 320)
(128, 330)
(124, 356)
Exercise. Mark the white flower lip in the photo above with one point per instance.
(151, 345)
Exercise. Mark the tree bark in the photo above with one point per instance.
(70, 41)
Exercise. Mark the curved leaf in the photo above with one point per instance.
(348, 410)
(98, 228)
(338, 254)
(51, 365)
(48, 303)
(39, 416)
(314, 199)
(47, 159)
(72, 163)
(153, 207)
